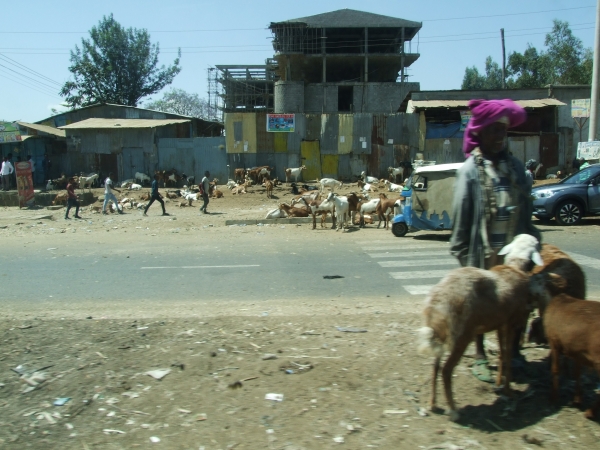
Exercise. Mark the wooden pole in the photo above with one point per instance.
(503, 60)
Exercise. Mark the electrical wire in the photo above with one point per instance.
(29, 87)
(10, 60)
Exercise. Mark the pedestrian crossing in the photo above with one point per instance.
(423, 264)
(418, 266)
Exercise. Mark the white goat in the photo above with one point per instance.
(393, 187)
(135, 187)
(329, 183)
(49, 186)
(368, 207)
(395, 171)
(471, 301)
(296, 172)
(368, 179)
(142, 177)
(342, 209)
(125, 184)
(87, 181)
(276, 213)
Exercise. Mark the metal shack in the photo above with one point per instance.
(121, 146)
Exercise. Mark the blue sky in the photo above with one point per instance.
(35, 40)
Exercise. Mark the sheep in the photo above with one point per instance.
(293, 212)
(142, 177)
(471, 301)
(571, 325)
(392, 187)
(368, 179)
(330, 183)
(295, 172)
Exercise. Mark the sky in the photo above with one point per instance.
(35, 42)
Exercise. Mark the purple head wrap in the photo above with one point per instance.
(485, 113)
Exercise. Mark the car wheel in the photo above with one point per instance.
(569, 212)
(399, 229)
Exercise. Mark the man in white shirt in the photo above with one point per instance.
(108, 195)
(6, 171)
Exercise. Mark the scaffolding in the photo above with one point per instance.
(242, 88)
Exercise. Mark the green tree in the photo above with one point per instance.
(116, 65)
(178, 101)
(565, 61)
(492, 79)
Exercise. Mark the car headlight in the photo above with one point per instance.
(543, 194)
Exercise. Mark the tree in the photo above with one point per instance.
(116, 65)
(491, 80)
(178, 101)
(565, 61)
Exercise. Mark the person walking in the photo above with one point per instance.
(204, 190)
(491, 199)
(6, 172)
(530, 167)
(72, 199)
(155, 195)
(46, 166)
(108, 195)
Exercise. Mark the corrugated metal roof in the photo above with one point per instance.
(44, 129)
(122, 123)
(351, 18)
(414, 105)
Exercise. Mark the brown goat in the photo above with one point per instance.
(557, 262)
(60, 199)
(269, 188)
(239, 175)
(292, 211)
(572, 329)
(385, 205)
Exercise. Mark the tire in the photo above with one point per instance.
(399, 229)
(569, 212)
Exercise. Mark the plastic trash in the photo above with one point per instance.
(154, 439)
(268, 356)
(158, 374)
(274, 397)
(61, 401)
(351, 329)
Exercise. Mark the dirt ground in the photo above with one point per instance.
(345, 370)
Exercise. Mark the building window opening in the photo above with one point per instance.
(345, 98)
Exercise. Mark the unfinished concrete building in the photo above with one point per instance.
(342, 61)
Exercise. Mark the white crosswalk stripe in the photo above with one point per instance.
(419, 262)
(585, 260)
(412, 256)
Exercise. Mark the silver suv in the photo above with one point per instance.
(569, 199)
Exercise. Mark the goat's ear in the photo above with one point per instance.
(557, 281)
(537, 258)
(504, 250)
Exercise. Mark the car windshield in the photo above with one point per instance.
(581, 177)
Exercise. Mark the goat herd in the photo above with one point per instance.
(471, 301)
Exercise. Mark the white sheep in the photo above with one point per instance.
(471, 301)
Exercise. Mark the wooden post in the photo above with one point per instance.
(503, 60)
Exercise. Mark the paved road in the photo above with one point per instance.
(271, 266)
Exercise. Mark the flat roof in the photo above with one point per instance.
(414, 105)
(122, 123)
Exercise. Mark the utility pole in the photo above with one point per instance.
(595, 75)
(504, 59)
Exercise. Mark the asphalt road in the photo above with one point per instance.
(269, 265)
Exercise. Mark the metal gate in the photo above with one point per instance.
(132, 161)
(310, 155)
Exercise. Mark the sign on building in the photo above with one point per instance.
(465, 116)
(24, 182)
(278, 123)
(580, 107)
(588, 150)
(9, 132)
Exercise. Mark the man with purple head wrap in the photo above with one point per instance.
(491, 196)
